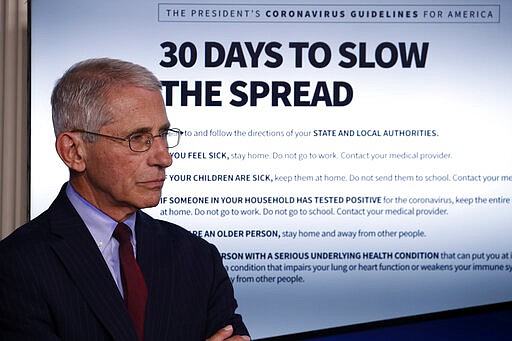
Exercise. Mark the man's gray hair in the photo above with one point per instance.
(80, 99)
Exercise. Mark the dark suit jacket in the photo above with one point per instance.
(55, 284)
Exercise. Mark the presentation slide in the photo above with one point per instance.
(350, 161)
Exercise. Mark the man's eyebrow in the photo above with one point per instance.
(165, 126)
(144, 130)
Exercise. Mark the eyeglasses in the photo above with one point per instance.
(141, 142)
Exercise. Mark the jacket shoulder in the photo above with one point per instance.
(28, 235)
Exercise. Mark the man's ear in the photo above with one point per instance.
(70, 148)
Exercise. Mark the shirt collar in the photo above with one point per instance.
(100, 225)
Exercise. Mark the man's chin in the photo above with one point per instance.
(151, 200)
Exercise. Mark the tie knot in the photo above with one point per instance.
(122, 233)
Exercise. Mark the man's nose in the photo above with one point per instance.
(162, 156)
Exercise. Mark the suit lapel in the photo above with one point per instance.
(77, 250)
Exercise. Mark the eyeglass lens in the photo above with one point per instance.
(142, 142)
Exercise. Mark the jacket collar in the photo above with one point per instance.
(79, 254)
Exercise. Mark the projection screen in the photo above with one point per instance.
(350, 161)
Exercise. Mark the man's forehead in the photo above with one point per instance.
(138, 109)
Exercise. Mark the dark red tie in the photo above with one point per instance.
(134, 286)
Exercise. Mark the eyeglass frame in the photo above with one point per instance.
(129, 138)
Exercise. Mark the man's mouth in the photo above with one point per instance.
(154, 183)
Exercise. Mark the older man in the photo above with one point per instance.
(93, 266)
